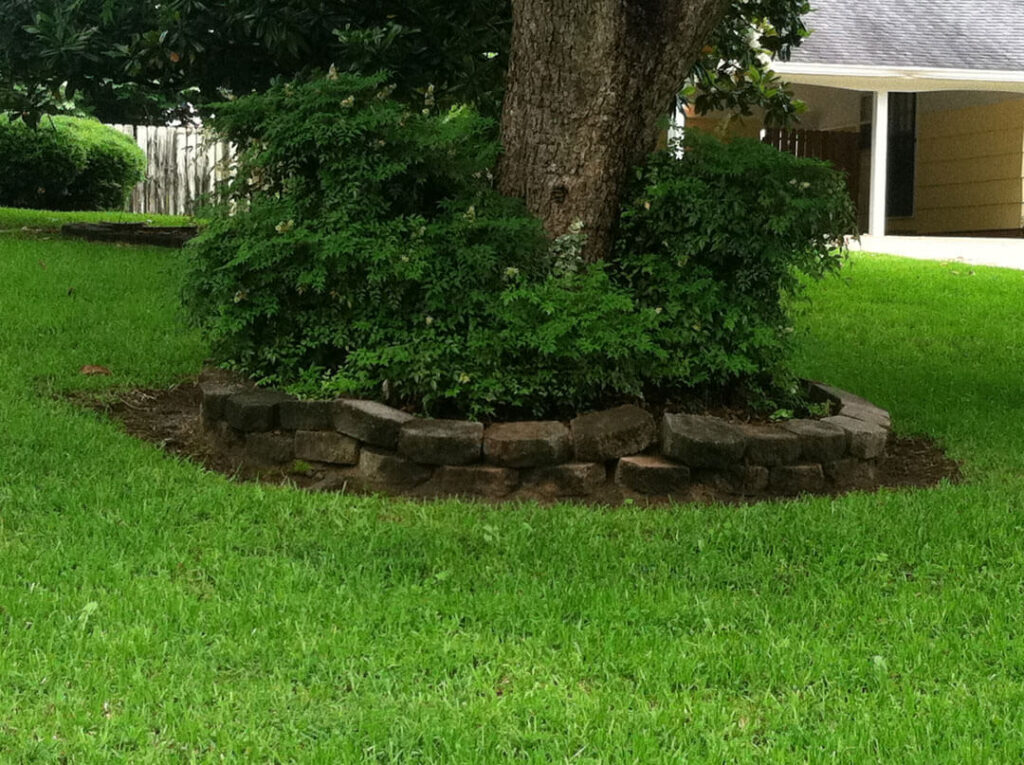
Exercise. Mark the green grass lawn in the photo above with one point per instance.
(153, 612)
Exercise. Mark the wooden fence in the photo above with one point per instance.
(842, 149)
(182, 165)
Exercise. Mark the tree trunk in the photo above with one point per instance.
(588, 84)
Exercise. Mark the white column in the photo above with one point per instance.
(677, 127)
(879, 164)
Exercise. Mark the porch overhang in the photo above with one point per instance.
(899, 79)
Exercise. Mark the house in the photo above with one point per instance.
(922, 103)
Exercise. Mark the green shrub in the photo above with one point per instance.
(720, 242)
(67, 163)
(361, 249)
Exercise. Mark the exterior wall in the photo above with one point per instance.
(970, 167)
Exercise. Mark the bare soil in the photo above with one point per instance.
(169, 418)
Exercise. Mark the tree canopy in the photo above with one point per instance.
(148, 61)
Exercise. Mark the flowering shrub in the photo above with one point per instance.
(361, 249)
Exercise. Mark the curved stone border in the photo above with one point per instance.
(131, 233)
(618, 453)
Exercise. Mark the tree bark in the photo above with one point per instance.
(588, 84)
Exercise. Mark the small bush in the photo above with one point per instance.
(67, 163)
(361, 249)
(720, 243)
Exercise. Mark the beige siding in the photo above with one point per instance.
(970, 166)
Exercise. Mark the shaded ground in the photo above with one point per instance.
(169, 418)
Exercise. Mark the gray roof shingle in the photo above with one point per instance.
(945, 34)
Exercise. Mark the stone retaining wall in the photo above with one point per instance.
(605, 456)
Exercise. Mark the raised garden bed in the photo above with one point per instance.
(611, 455)
(131, 233)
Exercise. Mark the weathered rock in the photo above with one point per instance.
(326, 446)
(701, 441)
(770, 445)
(215, 397)
(852, 473)
(387, 470)
(820, 441)
(441, 442)
(618, 432)
(476, 480)
(224, 436)
(866, 440)
(739, 479)
(744, 479)
(820, 392)
(527, 444)
(652, 475)
(870, 414)
(369, 421)
(797, 479)
(572, 479)
(306, 415)
(270, 448)
(253, 411)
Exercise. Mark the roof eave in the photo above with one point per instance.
(905, 78)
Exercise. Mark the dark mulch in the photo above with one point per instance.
(169, 418)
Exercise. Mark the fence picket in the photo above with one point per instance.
(181, 166)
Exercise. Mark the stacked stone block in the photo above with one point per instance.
(615, 453)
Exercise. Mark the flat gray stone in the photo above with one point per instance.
(612, 433)
(820, 441)
(386, 470)
(527, 444)
(306, 415)
(215, 397)
(741, 479)
(870, 414)
(770, 445)
(866, 440)
(702, 441)
(852, 473)
(474, 480)
(441, 442)
(254, 411)
(818, 391)
(573, 479)
(270, 448)
(652, 475)
(369, 421)
(744, 479)
(797, 479)
(326, 446)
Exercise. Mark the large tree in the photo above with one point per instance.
(588, 83)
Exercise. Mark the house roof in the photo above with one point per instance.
(985, 35)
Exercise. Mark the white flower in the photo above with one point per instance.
(348, 103)
(284, 226)
(332, 73)
(429, 320)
